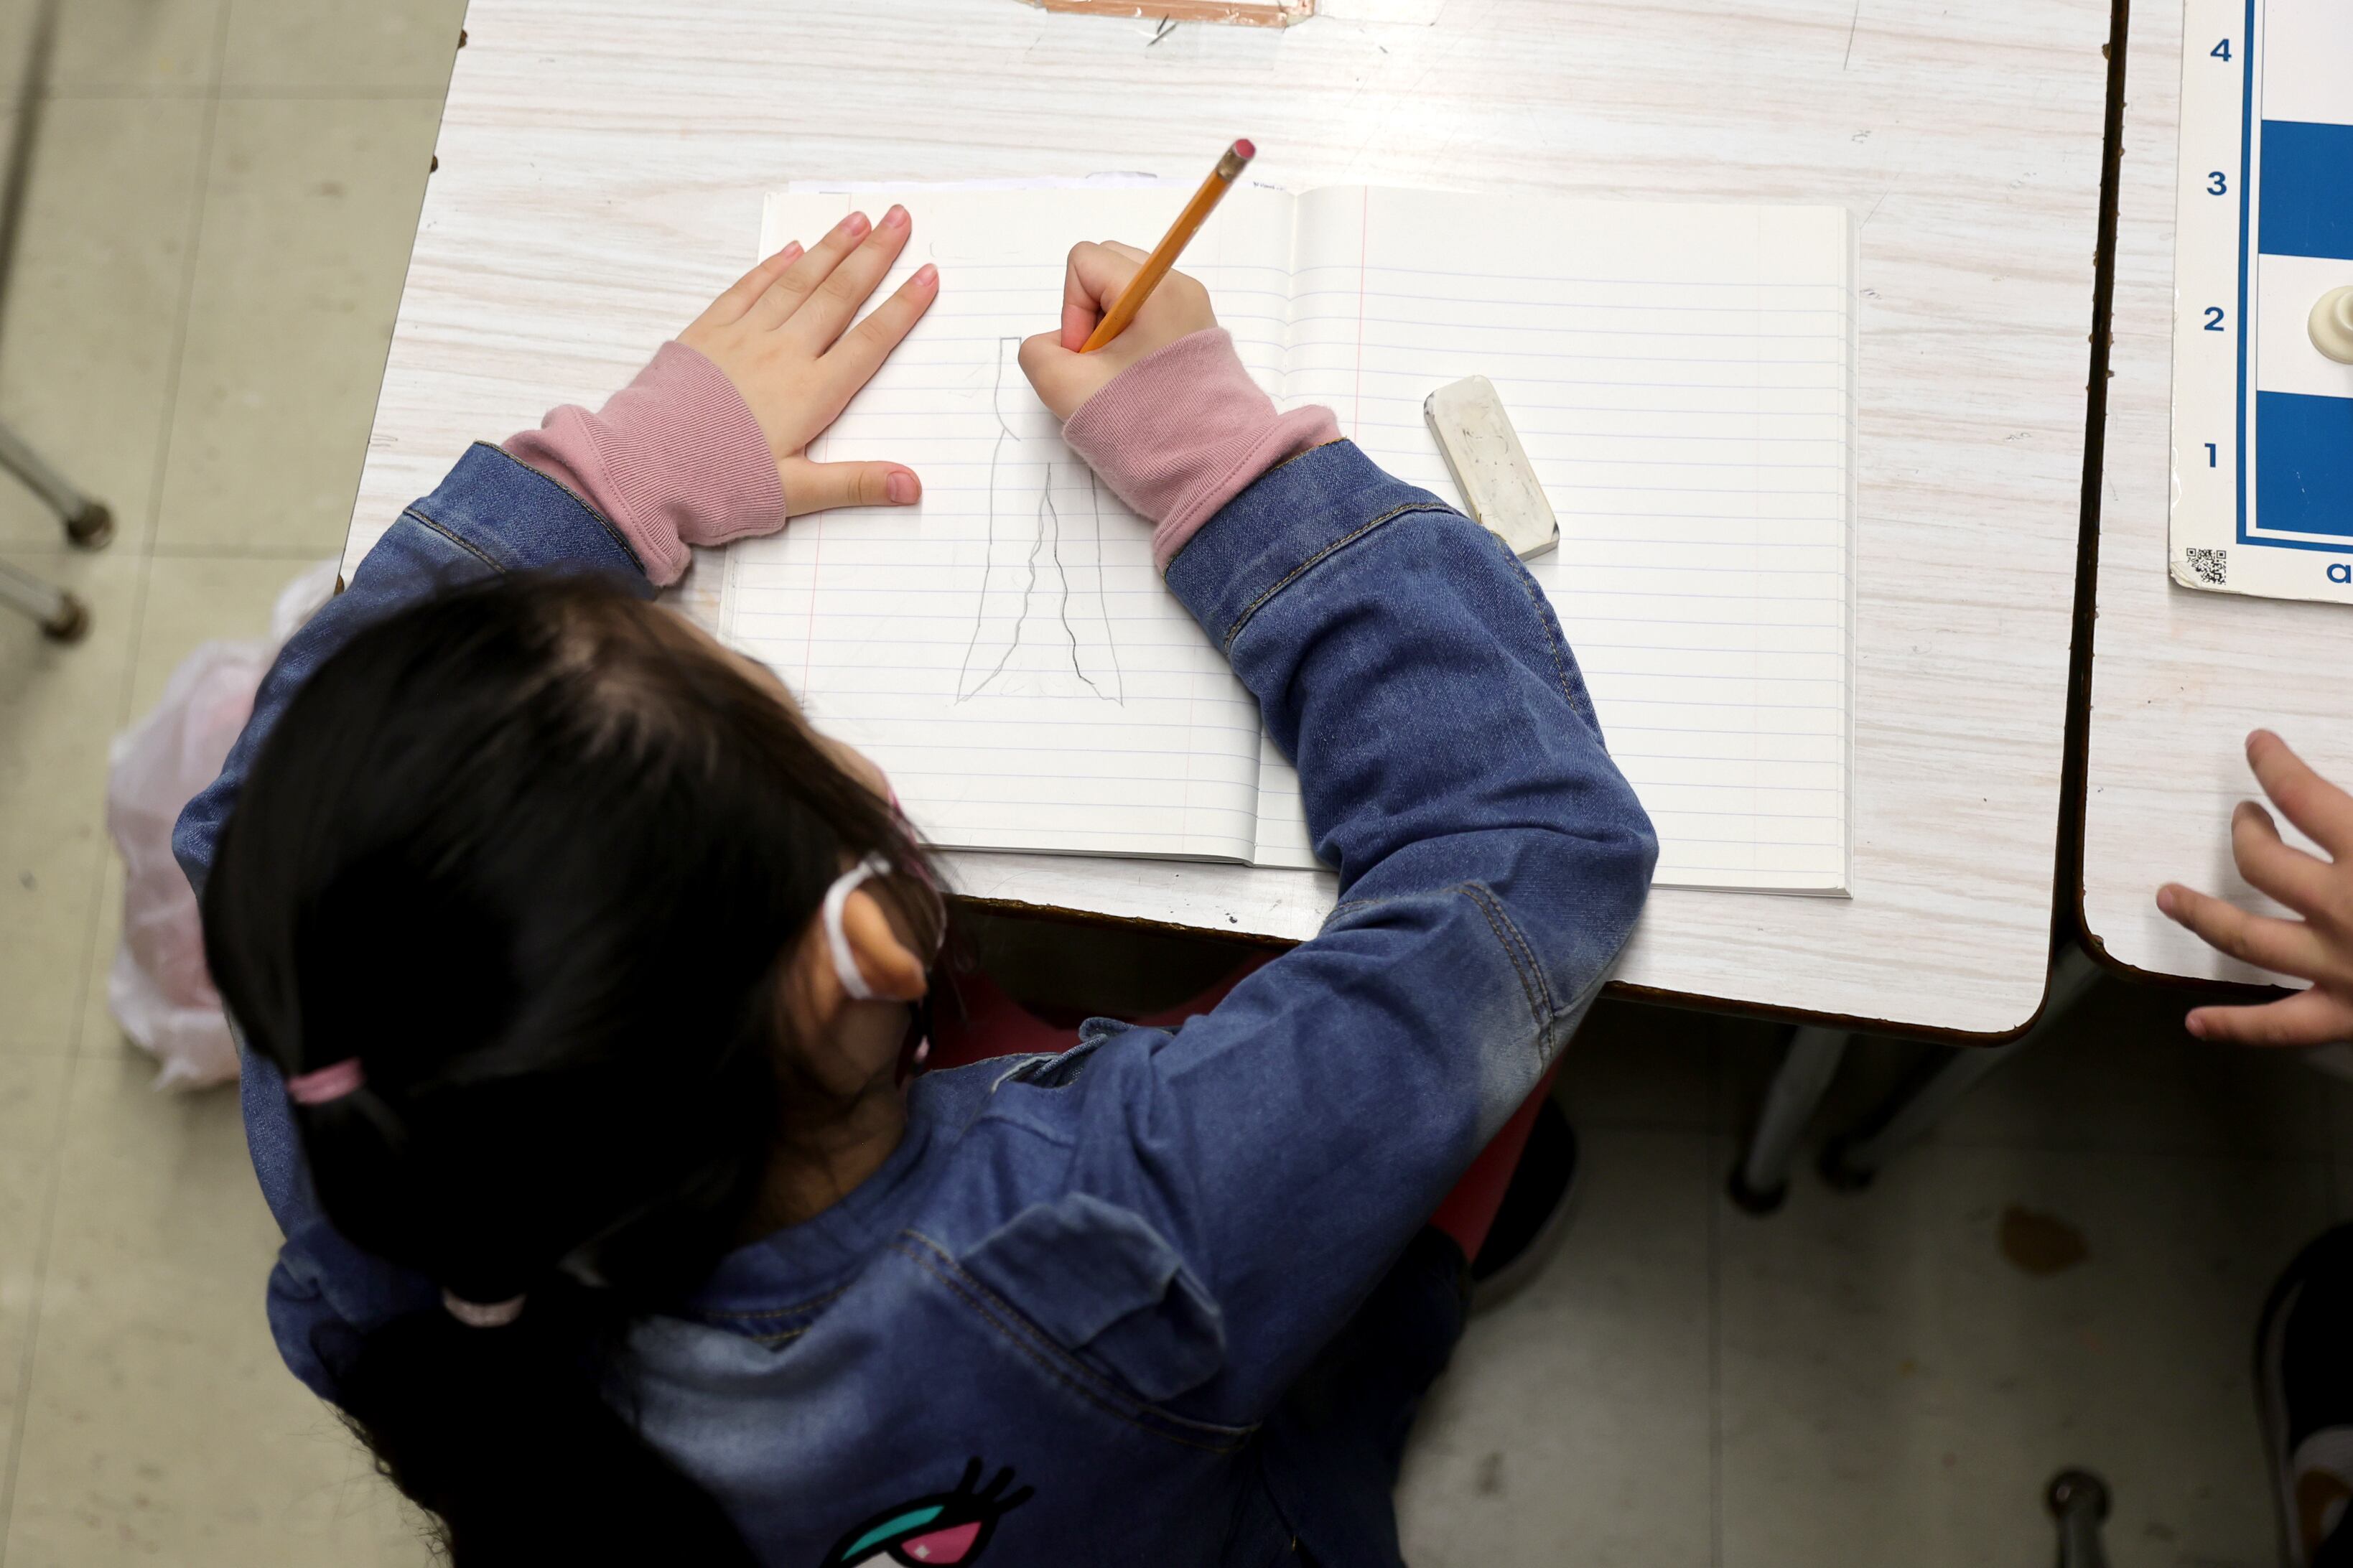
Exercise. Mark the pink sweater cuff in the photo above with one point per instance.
(675, 459)
(1184, 430)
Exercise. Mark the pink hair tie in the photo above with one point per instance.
(332, 1081)
(482, 1314)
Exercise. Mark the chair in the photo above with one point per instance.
(2078, 1501)
(88, 524)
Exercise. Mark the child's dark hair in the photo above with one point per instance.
(535, 856)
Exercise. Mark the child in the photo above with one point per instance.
(575, 971)
(2303, 1375)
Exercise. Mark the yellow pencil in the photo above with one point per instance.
(1172, 245)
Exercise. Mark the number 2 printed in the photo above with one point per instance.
(2213, 318)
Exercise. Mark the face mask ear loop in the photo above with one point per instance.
(845, 962)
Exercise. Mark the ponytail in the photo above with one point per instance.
(505, 1434)
(509, 896)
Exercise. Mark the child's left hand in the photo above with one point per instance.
(2319, 947)
(779, 336)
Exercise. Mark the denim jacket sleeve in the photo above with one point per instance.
(1492, 861)
(491, 514)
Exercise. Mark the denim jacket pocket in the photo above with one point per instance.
(1106, 1288)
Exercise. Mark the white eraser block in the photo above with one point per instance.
(1499, 486)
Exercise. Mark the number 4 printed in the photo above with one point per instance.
(2220, 51)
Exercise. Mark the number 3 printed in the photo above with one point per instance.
(2220, 186)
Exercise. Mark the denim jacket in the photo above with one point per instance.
(1099, 1271)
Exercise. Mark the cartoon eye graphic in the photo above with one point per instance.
(949, 1527)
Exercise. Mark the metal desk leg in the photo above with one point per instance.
(2078, 1499)
(63, 617)
(87, 523)
(1851, 1159)
(1761, 1180)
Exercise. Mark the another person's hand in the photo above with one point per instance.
(1063, 376)
(782, 334)
(2319, 947)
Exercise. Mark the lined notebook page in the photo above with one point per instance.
(1005, 650)
(1681, 377)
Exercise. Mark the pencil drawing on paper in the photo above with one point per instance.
(1043, 627)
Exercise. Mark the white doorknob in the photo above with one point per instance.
(2332, 325)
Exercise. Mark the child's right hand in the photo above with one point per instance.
(1065, 378)
(2319, 947)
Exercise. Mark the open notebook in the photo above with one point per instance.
(1680, 376)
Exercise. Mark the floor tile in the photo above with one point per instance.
(1632, 1065)
(2331, 1064)
(160, 1424)
(32, 1089)
(93, 313)
(1895, 1388)
(194, 599)
(114, 45)
(2125, 1075)
(342, 44)
(59, 710)
(190, 600)
(310, 210)
(1572, 1425)
(99, 1034)
(2120, 1075)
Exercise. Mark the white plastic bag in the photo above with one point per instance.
(159, 989)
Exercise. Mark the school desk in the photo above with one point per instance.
(601, 164)
(2177, 675)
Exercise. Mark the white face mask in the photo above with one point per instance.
(845, 962)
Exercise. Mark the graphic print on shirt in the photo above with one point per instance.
(943, 1527)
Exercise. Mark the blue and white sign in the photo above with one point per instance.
(2263, 356)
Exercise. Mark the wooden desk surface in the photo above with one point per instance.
(2177, 677)
(601, 166)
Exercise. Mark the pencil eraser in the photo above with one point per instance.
(1245, 146)
(1499, 491)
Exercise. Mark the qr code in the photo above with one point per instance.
(2211, 566)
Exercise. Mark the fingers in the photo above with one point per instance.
(1037, 351)
(830, 307)
(2289, 947)
(820, 487)
(801, 277)
(1062, 377)
(862, 348)
(2311, 801)
(2313, 1018)
(741, 295)
(2306, 885)
(1094, 280)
